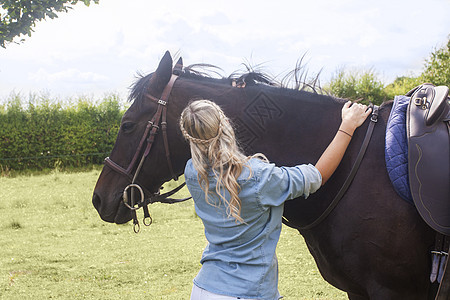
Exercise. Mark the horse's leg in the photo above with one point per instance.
(353, 296)
(378, 251)
(384, 293)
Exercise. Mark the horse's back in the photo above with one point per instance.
(385, 242)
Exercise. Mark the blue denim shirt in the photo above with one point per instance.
(240, 259)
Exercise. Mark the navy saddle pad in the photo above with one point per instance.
(396, 148)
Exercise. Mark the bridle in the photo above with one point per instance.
(159, 120)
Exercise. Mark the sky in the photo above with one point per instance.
(97, 50)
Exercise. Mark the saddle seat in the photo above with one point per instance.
(427, 126)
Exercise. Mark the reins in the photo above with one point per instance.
(159, 120)
(350, 177)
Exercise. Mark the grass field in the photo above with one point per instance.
(53, 245)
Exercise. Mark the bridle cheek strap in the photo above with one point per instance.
(151, 130)
(163, 104)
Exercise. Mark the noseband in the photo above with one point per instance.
(159, 120)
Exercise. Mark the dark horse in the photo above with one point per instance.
(373, 245)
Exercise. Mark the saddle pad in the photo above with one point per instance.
(396, 148)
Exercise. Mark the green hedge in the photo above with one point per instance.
(366, 86)
(363, 86)
(44, 133)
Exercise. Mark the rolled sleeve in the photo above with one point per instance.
(278, 184)
(312, 179)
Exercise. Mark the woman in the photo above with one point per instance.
(240, 201)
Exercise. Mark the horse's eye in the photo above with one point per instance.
(127, 127)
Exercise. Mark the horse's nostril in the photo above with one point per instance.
(96, 201)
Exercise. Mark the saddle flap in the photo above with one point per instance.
(439, 107)
(429, 155)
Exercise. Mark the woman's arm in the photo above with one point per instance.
(352, 117)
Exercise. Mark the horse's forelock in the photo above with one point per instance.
(139, 87)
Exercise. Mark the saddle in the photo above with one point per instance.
(427, 126)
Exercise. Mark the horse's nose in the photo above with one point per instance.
(96, 201)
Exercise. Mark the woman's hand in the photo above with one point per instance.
(353, 115)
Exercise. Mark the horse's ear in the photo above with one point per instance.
(162, 74)
(178, 67)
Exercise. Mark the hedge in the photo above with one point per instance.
(44, 133)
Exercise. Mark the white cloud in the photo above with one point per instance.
(69, 75)
(100, 48)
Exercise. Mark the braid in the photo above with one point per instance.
(194, 140)
(214, 148)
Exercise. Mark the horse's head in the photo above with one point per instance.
(143, 154)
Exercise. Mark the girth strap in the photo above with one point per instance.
(443, 292)
(436, 257)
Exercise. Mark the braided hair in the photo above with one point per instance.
(214, 148)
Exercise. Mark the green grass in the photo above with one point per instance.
(53, 245)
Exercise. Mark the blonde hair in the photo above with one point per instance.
(214, 148)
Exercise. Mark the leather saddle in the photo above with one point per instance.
(428, 134)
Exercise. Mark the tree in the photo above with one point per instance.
(437, 67)
(18, 17)
(363, 86)
(402, 85)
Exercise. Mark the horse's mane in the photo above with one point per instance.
(297, 79)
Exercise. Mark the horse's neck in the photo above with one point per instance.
(288, 126)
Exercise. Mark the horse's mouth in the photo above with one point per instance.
(123, 214)
(115, 210)
(117, 213)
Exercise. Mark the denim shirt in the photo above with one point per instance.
(240, 259)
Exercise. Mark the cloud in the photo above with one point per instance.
(103, 46)
(67, 76)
